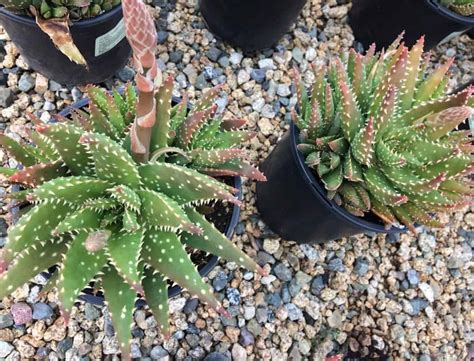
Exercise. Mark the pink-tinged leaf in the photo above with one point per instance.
(394, 77)
(81, 119)
(301, 94)
(328, 105)
(413, 66)
(381, 188)
(458, 186)
(359, 85)
(396, 43)
(216, 157)
(419, 112)
(383, 212)
(315, 122)
(363, 144)
(405, 218)
(420, 216)
(192, 125)
(235, 168)
(429, 86)
(207, 100)
(233, 124)
(352, 120)
(440, 124)
(38, 174)
(100, 123)
(386, 112)
(319, 86)
(352, 170)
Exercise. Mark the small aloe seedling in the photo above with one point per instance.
(109, 206)
(379, 132)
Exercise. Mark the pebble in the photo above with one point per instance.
(235, 58)
(191, 306)
(418, 305)
(26, 82)
(6, 320)
(126, 74)
(271, 246)
(242, 76)
(282, 272)
(158, 352)
(5, 348)
(217, 356)
(413, 277)
(427, 291)
(42, 311)
(336, 265)
(162, 36)
(258, 75)
(294, 313)
(6, 97)
(238, 353)
(91, 312)
(214, 54)
(233, 295)
(266, 64)
(220, 281)
(21, 313)
(361, 266)
(63, 346)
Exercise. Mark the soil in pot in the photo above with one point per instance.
(293, 202)
(101, 40)
(250, 24)
(380, 22)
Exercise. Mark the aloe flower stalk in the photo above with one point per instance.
(379, 131)
(114, 203)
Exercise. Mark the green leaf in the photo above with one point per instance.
(183, 185)
(165, 253)
(78, 268)
(65, 138)
(156, 295)
(333, 180)
(214, 242)
(112, 162)
(70, 189)
(160, 211)
(159, 136)
(352, 170)
(126, 196)
(30, 261)
(85, 219)
(35, 226)
(130, 221)
(124, 250)
(22, 153)
(120, 300)
(381, 188)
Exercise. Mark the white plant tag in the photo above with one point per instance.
(106, 42)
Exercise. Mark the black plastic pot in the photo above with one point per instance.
(293, 203)
(250, 24)
(101, 40)
(381, 21)
(88, 295)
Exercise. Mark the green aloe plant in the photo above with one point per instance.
(462, 7)
(114, 194)
(378, 130)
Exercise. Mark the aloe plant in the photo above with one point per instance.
(378, 130)
(112, 205)
(462, 7)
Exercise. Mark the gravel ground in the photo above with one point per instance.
(402, 297)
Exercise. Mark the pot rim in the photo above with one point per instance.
(84, 23)
(466, 20)
(320, 192)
